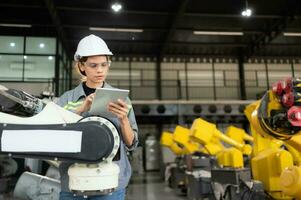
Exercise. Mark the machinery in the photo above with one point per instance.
(175, 171)
(204, 137)
(275, 124)
(31, 129)
(8, 167)
(207, 159)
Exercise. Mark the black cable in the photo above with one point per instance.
(251, 195)
(227, 190)
(268, 195)
(243, 194)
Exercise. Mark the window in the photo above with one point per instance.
(39, 68)
(40, 45)
(11, 44)
(11, 67)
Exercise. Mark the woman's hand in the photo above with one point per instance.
(119, 108)
(86, 105)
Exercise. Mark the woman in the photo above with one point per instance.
(93, 61)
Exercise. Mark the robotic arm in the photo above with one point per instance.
(276, 124)
(19, 102)
(58, 134)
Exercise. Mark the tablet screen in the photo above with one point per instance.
(103, 96)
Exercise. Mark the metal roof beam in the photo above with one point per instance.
(173, 25)
(272, 31)
(57, 22)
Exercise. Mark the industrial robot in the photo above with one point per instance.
(30, 128)
(174, 170)
(275, 122)
(207, 157)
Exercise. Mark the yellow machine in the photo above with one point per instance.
(190, 146)
(275, 126)
(167, 140)
(275, 123)
(205, 138)
(210, 137)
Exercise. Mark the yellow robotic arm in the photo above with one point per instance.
(276, 123)
(167, 140)
(207, 134)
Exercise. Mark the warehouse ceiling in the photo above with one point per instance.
(163, 27)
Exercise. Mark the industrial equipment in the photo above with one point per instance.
(53, 133)
(207, 159)
(275, 123)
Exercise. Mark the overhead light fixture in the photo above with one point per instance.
(247, 12)
(292, 34)
(50, 58)
(218, 33)
(131, 30)
(25, 57)
(116, 7)
(12, 44)
(42, 45)
(17, 25)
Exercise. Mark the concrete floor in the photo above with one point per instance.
(150, 187)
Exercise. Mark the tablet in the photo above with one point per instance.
(103, 96)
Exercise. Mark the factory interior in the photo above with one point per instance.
(213, 87)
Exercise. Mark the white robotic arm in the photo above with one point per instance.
(58, 134)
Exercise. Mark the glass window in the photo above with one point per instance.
(40, 45)
(11, 67)
(39, 68)
(10, 44)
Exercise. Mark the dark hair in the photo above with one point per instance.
(82, 61)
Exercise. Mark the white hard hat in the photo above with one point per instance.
(91, 45)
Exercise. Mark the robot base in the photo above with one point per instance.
(93, 179)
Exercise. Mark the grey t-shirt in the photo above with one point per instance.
(70, 100)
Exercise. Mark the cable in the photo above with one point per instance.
(251, 195)
(227, 190)
(268, 195)
(243, 194)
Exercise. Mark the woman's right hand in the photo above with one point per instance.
(86, 105)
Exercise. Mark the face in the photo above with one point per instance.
(96, 69)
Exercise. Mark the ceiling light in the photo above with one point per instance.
(217, 33)
(50, 58)
(292, 34)
(131, 30)
(25, 57)
(116, 7)
(17, 25)
(42, 45)
(12, 44)
(247, 12)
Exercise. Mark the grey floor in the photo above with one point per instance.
(150, 187)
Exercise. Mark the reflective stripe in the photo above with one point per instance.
(70, 108)
(73, 105)
(130, 107)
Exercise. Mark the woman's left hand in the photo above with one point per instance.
(119, 108)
